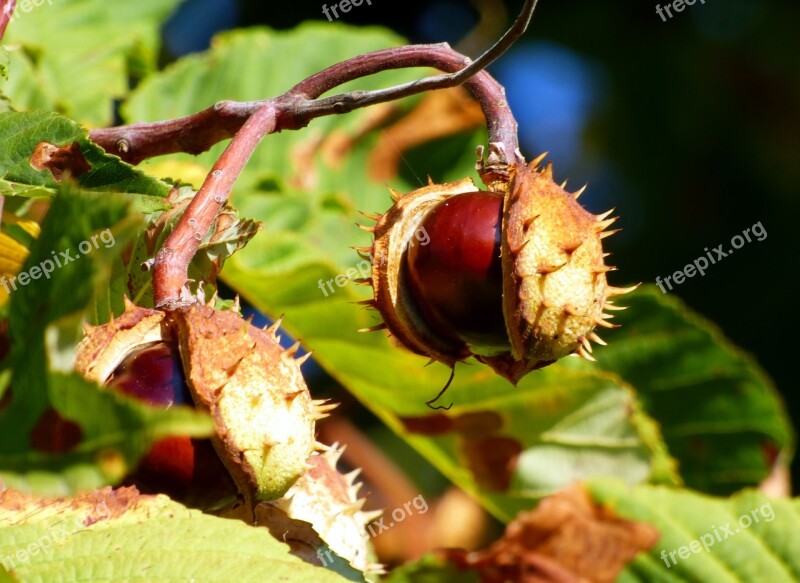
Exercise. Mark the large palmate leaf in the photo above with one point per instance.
(40, 149)
(719, 413)
(251, 65)
(78, 56)
(121, 536)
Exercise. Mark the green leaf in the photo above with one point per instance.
(80, 237)
(587, 421)
(249, 65)
(122, 536)
(719, 413)
(77, 56)
(115, 432)
(21, 133)
(429, 569)
(747, 538)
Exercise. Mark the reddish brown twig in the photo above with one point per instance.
(172, 260)
(248, 123)
(295, 109)
(192, 134)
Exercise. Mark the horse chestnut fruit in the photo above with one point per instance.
(513, 276)
(238, 374)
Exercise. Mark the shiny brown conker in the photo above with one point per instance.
(456, 278)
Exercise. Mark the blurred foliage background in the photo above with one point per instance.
(685, 125)
(689, 127)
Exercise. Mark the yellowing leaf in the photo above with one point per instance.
(185, 171)
(30, 227)
(12, 255)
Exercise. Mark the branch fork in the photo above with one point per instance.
(247, 123)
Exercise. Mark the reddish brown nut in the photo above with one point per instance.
(513, 276)
(456, 277)
(182, 467)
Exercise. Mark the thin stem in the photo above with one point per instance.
(349, 70)
(172, 260)
(296, 108)
(511, 36)
(490, 94)
(192, 134)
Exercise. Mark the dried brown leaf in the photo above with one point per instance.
(566, 539)
(60, 160)
(440, 114)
